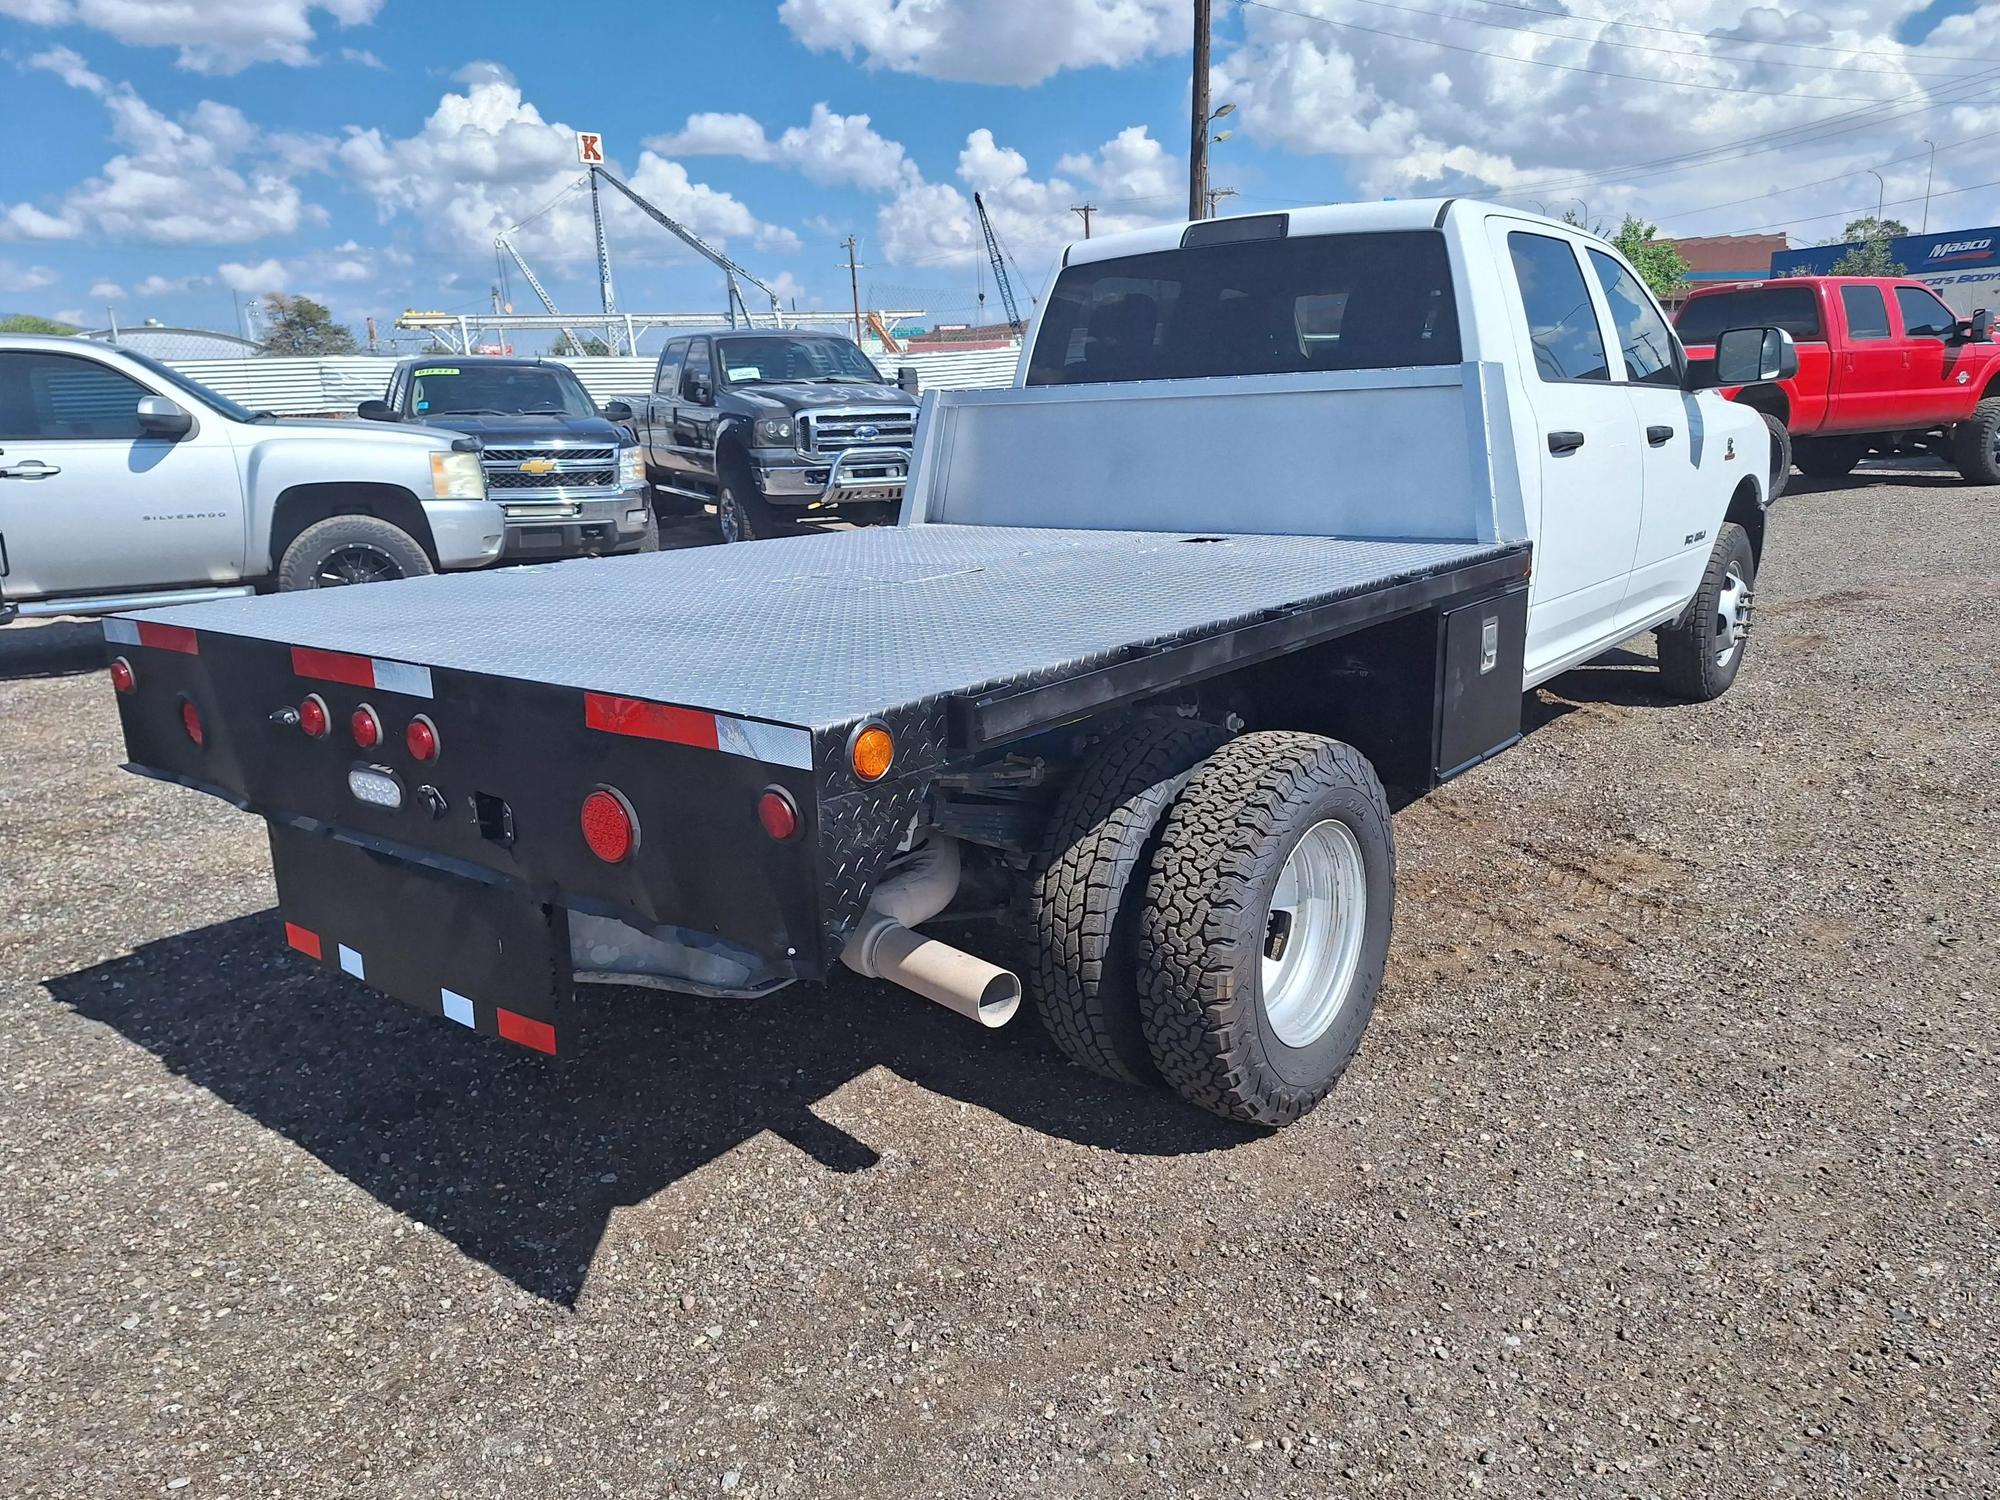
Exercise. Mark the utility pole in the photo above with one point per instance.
(1880, 188)
(1198, 139)
(372, 349)
(1929, 173)
(1216, 195)
(1086, 209)
(854, 286)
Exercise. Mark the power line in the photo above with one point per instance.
(1865, 212)
(1744, 41)
(1823, 181)
(1604, 41)
(1843, 122)
(1543, 62)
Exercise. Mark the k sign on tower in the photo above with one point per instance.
(590, 148)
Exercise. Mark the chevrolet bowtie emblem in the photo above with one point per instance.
(539, 466)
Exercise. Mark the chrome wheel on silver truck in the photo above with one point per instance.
(1266, 925)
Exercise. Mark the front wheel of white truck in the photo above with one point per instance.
(1266, 925)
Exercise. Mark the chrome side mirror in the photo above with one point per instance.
(159, 417)
(1755, 356)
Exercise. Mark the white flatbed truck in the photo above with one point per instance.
(1282, 507)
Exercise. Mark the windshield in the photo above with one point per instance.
(760, 360)
(1792, 308)
(1253, 307)
(443, 390)
(230, 409)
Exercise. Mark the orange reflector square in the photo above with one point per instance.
(525, 1030)
(299, 938)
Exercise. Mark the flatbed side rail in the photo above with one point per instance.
(977, 721)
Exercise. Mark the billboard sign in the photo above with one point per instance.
(589, 148)
(1962, 266)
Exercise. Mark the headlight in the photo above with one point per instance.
(631, 467)
(774, 429)
(457, 476)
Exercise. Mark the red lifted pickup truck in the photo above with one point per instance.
(1884, 367)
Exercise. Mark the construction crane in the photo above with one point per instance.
(730, 269)
(999, 263)
(501, 242)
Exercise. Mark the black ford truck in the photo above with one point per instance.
(1144, 705)
(569, 479)
(772, 428)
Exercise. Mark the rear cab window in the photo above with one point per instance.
(1867, 314)
(1562, 320)
(1792, 308)
(1253, 307)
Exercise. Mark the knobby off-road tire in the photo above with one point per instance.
(1826, 458)
(1781, 457)
(1700, 656)
(1086, 884)
(350, 549)
(1206, 926)
(1973, 443)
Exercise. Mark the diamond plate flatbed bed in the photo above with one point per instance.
(1012, 629)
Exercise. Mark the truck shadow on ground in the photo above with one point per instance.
(519, 1160)
(59, 648)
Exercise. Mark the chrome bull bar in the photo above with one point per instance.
(840, 487)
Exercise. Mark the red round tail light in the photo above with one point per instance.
(123, 678)
(777, 813)
(191, 720)
(609, 826)
(366, 728)
(313, 717)
(422, 738)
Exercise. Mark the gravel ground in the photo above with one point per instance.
(1670, 1166)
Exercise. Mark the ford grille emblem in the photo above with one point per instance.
(867, 430)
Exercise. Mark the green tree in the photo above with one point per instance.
(299, 325)
(563, 347)
(1658, 261)
(29, 323)
(1868, 227)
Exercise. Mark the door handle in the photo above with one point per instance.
(1659, 435)
(29, 468)
(1565, 442)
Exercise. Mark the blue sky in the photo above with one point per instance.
(172, 164)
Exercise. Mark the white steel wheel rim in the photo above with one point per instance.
(1732, 616)
(1317, 916)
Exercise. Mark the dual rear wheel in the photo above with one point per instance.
(1215, 915)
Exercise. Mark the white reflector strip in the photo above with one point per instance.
(351, 962)
(775, 744)
(458, 1008)
(401, 677)
(124, 632)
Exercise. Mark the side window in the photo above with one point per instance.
(1867, 313)
(57, 396)
(1643, 340)
(696, 369)
(1562, 321)
(668, 381)
(396, 391)
(1923, 315)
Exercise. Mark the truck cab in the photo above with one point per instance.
(772, 427)
(1885, 367)
(568, 478)
(124, 482)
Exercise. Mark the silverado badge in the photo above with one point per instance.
(539, 466)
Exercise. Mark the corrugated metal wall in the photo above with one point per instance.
(308, 387)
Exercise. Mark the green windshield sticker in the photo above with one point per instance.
(435, 371)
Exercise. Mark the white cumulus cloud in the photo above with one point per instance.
(211, 36)
(831, 149)
(991, 41)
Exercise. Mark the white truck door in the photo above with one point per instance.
(89, 504)
(1673, 532)
(1587, 445)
